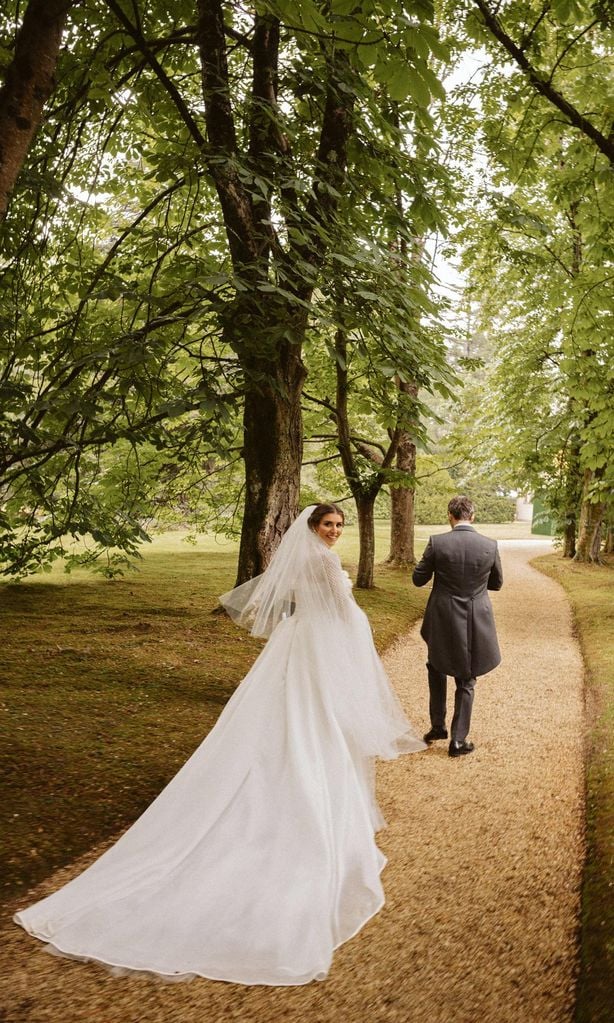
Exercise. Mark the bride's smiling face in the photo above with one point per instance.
(330, 528)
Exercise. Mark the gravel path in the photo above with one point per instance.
(484, 865)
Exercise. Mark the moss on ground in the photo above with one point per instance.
(107, 688)
(591, 593)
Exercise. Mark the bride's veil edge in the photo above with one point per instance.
(262, 602)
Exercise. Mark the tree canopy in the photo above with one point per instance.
(219, 224)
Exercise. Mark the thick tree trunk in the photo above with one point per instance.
(589, 530)
(274, 372)
(608, 547)
(272, 452)
(403, 508)
(28, 84)
(366, 531)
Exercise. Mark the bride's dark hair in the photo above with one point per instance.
(320, 511)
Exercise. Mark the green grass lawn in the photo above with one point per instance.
(107, 687)
(591, 593)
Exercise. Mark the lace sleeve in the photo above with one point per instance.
(338, 584)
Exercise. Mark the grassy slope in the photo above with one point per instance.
(591, 592)
(107, 687)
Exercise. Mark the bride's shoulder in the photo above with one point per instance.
(333, 567)
(320, 554)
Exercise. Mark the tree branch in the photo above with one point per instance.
(169, 85)
(331, 159)
(544, 86)
(571, 43)
(321, 401)
(244, 239)
(325, 458)
(527, 37)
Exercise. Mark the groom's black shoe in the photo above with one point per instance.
(435, 733)
(457, 749)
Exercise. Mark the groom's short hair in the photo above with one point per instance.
(460, 508)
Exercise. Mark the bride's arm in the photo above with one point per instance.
(334, 587)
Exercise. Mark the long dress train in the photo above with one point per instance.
(258, 859)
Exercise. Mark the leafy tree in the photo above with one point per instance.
(549, 37)
(103, 347)
(403, 488)
(375, 342)
(537, 247)
(163, 119)
(384, 338)
(434, 489)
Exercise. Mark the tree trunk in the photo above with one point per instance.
(573, 489)
(365, 506)
(29, 82)
(589, 529)
(596, 544)
(272, 452)
(569, 537)
(274, 371)
(363, 494)
(403, 510)
(608, 547)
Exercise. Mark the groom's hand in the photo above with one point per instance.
(423, 571)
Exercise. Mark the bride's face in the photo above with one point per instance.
(330, 528)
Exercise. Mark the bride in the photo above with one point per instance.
(258, 859)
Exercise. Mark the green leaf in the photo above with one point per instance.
(399, 84)
(432, 82)
(416, 39)
(341, 258)
(561, 10)
(418, 88)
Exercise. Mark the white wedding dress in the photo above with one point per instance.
(258, 859)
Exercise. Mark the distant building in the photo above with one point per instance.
(524, 508)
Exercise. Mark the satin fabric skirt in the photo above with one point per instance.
(258, 859)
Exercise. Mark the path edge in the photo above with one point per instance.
(595, 980)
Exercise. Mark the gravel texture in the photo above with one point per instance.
(485, 857)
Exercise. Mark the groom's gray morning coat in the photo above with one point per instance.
(459, 626)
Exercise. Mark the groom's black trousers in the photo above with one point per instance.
(463, 702)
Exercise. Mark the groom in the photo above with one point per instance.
(458, 625)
